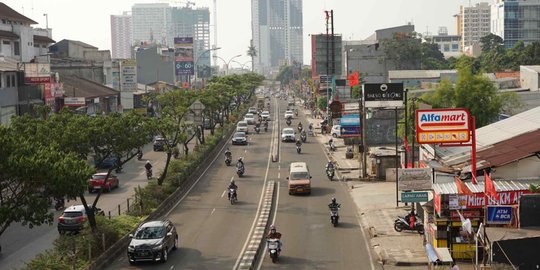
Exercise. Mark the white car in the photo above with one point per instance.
(252, 110)
(289, 114)
(250, 118)
(288, 135)
(242, 126)
(265, 115)
(336, 131)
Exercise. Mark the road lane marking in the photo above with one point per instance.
(278, 175)
(273, 222)
(245, 151)
(259, 207)
(213, 210)
(223, 194)
(172, 267)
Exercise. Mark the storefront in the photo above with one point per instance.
(446, 228)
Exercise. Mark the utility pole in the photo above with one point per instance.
(327, 65)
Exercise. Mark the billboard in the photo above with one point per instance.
(380, 95)
(415, 179)
(442, 126)
(128, 75)
(37, 73)
(183, 56)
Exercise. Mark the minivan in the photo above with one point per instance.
(299, 179)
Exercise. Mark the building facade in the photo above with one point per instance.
(152, 24)
(474, 23)
(277, 29)
(121, 36)
(516, 20)
(449, 45)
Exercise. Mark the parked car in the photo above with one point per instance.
(96, 182)
(288, 135)
(72, 220)
(289, 114)
(250, 118)
(242, 126)
(336, 131)
(239, 138)
(153, 241)
(159, 143)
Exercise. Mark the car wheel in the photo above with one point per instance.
(334, 135)
(175, 243)
(164, 255)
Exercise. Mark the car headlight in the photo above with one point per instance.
(158, 248)
(131, 248)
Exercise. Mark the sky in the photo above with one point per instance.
(89, 20)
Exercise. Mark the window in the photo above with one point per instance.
(16, 48)
(6, 42)
(446, 47)
(8, 80)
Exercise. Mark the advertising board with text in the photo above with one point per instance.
(350, 125)
(381, 95)
(37, 73)
(183, 53)
(415, 179)
(128, 75)
(442, 126)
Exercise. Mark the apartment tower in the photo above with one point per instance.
(474, 23)
(121, 36)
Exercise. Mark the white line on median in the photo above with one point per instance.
(278, 175)
(273, 222)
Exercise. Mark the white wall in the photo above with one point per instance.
(529, 78)
(528, 167)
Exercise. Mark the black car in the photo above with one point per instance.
(239, 138)
(159, 143)
(106, 163)
(152, 241)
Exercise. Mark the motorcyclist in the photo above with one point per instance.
(299, 125)
(310, 127)
(148, 166)
(334, 204)
(233, 186)
(331, 144)
(228, 153)
(329, 165)
(411, 218)
(240, 163)
(298, 143)
(274, 234)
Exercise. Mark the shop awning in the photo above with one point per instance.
(500, 185)
(8, 35)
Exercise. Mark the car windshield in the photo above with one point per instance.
(242, 124)
(150, 233)
(288, 131)
(239, 135)
(98, 176)
(299, 175)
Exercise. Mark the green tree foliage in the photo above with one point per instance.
(30, 173)
(285, 74)
(432, 58)
(403, 50)
(252, 52)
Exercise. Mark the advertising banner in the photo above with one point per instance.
(128, 75)
(442, 126)
(477, 200)
(380, 95)
(74, 101)
(183, 54)
(37, 73)
(499, 215)
(350, 125)
(415, 179)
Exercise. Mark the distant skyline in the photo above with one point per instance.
(89, 21)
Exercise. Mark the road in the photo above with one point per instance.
(213, 233)
(21, 244)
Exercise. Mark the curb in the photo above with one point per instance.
(256, 245)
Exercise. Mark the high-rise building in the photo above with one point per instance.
(121, 36)
(152, 23)
(188, 22)
(474, 23)
(516, 20)
(277, 29)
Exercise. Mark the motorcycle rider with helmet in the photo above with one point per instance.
(233, 186)
(274, 234)
(148, 166)
(334, 204)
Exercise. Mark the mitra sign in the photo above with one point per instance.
(442, 126)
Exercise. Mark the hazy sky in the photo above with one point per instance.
(89, 20)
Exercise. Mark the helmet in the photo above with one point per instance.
(232, 182)
(272, 227)
(240, 158)
(148, 162)
(333, 200)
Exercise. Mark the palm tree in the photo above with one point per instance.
(252, 52)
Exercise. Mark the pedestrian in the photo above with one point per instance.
(454, 266)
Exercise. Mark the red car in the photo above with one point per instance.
(97, 181)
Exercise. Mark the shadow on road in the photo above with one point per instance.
(322, 191)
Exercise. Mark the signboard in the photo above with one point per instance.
(499, 214)
(377, 95)
(325, 78)
(183, 55)
(442, 126)
(37, 73)
(74, 101)
(351, 106)
(128, 75)
(477, 200)
(414, 197)
(415, 179)
(350, 125)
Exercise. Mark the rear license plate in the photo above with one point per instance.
(300, 190)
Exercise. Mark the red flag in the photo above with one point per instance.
(490, 187)
(353, 78)
(462, 188)
(327, 13)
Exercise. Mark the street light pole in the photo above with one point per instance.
(228, 62)
(198, 57)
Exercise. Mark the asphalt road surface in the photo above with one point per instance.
(213, 233)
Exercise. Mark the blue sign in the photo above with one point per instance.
(499, 215)
(350, 120)
(350, 131)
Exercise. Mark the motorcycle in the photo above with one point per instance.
(401, 224)
(296, 112)
(288, 122)
(257, 129)
(60, 204)
(239, 170)
(334, 216)
(232, 195)
(332, 146)
(303, 137)
(228, 160)
(139, 155)
(300, 129)
(148, 174)
(273, 249)
(330, 173)
(265, 126)
(298, 149)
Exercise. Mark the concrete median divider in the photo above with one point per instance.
(256, 242)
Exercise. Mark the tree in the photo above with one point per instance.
(491, 42)
(432, 58)
(403, 50)
(252, 52)
(285, 74)
(30, 173)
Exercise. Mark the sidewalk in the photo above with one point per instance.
(376, 206)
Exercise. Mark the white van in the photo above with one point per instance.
(299, 178)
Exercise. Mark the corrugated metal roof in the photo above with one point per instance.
(501, 185)
(534, 68)
(409, 74)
